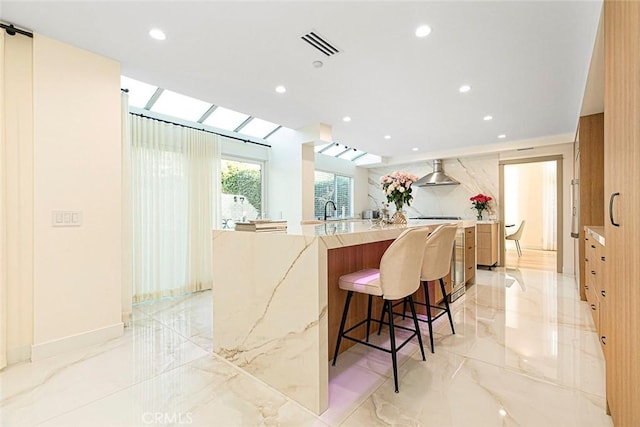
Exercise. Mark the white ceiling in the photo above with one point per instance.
(527, 62)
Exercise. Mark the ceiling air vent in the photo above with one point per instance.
(320, 43)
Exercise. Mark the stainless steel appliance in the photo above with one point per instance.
(451, 218)
(575, 208)
(457, 267)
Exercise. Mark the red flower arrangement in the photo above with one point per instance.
(480, 203)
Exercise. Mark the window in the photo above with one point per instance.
(337, 188)
(241, 191)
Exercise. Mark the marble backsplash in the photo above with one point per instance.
(475, 174)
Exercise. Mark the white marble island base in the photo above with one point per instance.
(270, 302)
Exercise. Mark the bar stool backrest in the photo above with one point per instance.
(438, 252)
(401, 263)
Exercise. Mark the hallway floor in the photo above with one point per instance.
(525, 353)
(531, 259)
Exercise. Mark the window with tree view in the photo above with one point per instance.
(241, 191)
(337, 188)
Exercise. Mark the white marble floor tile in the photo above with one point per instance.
(525, 353)
(452, 391)
(360, 370)
(192, 318)
(205, 392)
(538, 343)
(33, 392)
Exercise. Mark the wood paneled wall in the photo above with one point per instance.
(591, 138)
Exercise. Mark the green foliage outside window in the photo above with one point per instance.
(238, 178)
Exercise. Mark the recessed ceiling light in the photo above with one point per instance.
(414, 149)
(346, 119)
(387, 137)
(502, 412)
(464, 88)
(502, 136)
(317, 64)
(281, 89)
(487, 118)
(423, 31)
(157, 34)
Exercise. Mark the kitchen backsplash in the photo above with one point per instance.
(475, 174)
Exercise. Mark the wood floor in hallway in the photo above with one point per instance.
(531, 258)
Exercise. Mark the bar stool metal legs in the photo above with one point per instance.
(386, 308)
(392, 338)
(446, 304)
(445, 309)
(342, 322)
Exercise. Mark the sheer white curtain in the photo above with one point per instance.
(174, 192)
(3, 218)
(549, 206)
(127, 223)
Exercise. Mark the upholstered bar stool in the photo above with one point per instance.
(436, 264)
(397, 278)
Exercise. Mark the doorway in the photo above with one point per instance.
(531, 192)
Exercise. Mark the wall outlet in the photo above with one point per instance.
(66, 218)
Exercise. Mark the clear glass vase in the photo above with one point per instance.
(399, 217)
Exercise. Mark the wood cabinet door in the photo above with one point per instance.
(622, 175)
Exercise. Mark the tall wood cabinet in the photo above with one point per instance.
(591, 174)
(622, 209)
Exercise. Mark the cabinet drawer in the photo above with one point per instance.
(470, 233)
(594, 307)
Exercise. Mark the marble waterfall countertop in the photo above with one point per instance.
(338, 233)
(271, 300)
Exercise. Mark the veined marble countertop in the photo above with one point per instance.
(341, 233)
(363, 226)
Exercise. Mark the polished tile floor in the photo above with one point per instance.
(525, 353)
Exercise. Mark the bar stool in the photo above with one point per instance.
(436, 263)
(397, 278)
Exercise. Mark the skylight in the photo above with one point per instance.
(258, 128)
(341, 151)
(190, 109)
(180, 106)
(224, 118)
(332, 150)
(352, 154)
(368, 159)
(139, 93)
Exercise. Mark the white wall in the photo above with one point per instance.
(233, 148)
(284, 187)
(77, 166)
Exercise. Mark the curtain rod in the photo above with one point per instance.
(12, 31)
(201, 129)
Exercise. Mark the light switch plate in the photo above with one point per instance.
(66, 218)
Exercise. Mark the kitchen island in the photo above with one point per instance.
(276, 301)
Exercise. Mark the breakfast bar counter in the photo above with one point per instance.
(276, 302)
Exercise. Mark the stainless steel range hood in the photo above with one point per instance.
(437, 177)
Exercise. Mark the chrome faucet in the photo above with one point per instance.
(325, 208)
